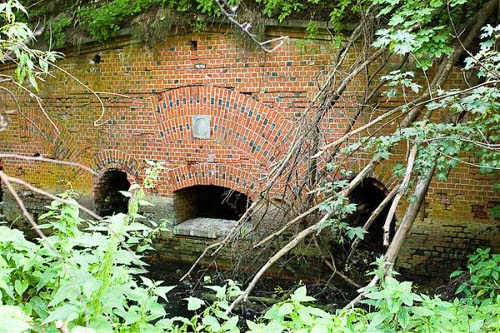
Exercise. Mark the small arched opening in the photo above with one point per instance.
(209, 201)
(109, 200)
(368, 196)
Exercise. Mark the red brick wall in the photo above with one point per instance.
(254, 100)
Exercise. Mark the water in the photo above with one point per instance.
(267, 291)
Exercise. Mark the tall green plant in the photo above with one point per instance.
(84, 277)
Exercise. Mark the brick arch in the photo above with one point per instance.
(110, 159)
(214, 174)
(230, 133)
(228, 155)
(43, 138)
(32, 123)
(117, 159)
(236, 119)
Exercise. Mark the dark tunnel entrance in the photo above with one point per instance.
(368, 195)
(109, 200)
(209, 201)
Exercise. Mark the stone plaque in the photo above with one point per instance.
(201, 127)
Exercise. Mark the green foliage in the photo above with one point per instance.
(15, 37)
(483, 285)
(285, 7)
(13, 319)
(405, 80)
(398, 309)
(92, 281)
(83, 277)
(295, 316)
(339, 227)
(103, 21)
(210, 317)
(55, 34)
(420, 28)
(468, 133)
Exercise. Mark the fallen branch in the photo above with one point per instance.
(401, 191)
(53, 197)
(300, 236)
(6, 180)
(376, 213)
(230, 14)
(403, 230)
(333, 267)
(409, 217)
(284, 250)
(291, 222)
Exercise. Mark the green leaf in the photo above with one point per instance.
(300, 295)
(211, 322)
(80, 329)
(358, 232)
(319, 328)
(220, 292)
(285, 309)
(67, 313)
(422, 311)
(403, 317)
(20, 286)
(194, 303)
(476, 326)
(90, 286)
(13, 320)
(163, 291)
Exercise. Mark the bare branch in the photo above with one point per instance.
(284, 250)
(403, 230)
(6, 180)
(372, 218)
(53, 197)
(230, 14)
(48, 160)
(37, 99)
(61, 327)
(401, 191)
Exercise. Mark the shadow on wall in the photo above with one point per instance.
(108, 199)
(209, 201)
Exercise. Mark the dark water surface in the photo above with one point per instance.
(267, 291)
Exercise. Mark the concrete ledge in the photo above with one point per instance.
(204, 227)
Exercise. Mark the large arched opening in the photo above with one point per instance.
(209, 201)
(108, 199)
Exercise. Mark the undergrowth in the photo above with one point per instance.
(85, 275)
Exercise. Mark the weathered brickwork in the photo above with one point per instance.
(146, 105)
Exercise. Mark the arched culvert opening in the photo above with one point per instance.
(368, 196)
(356, 257)
(209, 201)
(109, 200)
(207, 211)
